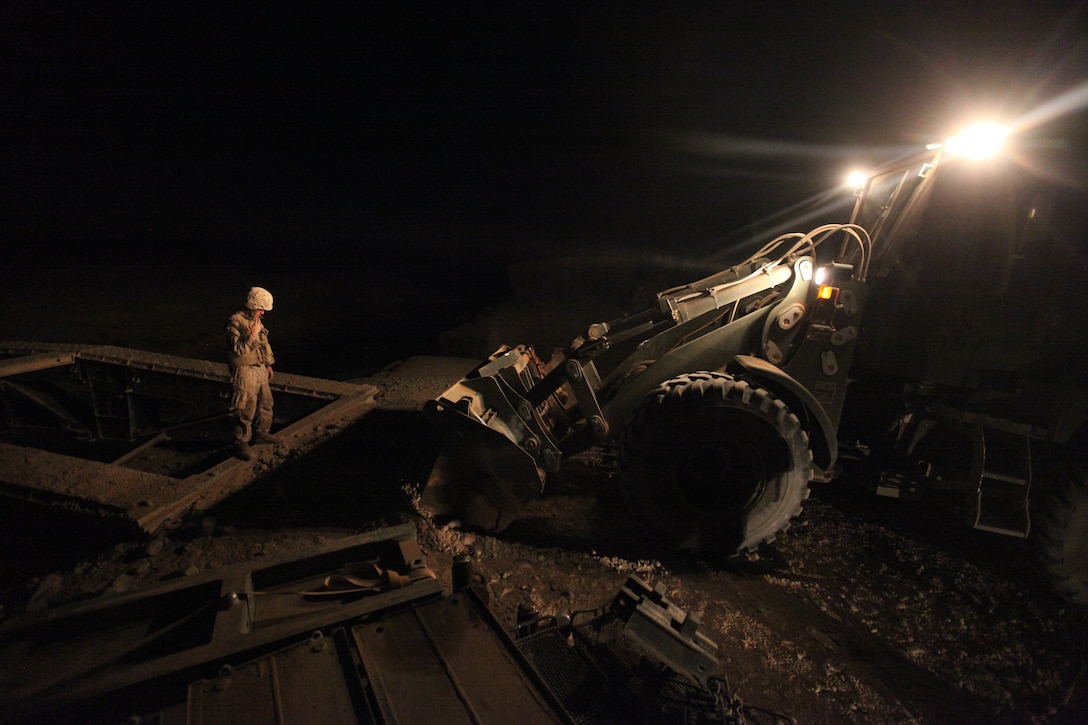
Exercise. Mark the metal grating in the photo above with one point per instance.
(579, 689)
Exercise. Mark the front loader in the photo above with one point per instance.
(723, 399)
(729, 394)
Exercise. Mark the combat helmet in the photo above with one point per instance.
(259, 299)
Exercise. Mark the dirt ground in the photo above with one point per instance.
(865, 610)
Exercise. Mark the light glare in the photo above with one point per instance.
(980, 141)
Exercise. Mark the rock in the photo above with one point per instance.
(142, 567)
(122, 583)
(822, 638)
(48, 588)
(155, 546)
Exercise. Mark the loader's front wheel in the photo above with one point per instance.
(716, 464)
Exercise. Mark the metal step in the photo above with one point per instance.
(1002, 498)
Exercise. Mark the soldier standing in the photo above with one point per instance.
(250, 359)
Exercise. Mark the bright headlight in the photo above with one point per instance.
(856, 179)
(981, 141)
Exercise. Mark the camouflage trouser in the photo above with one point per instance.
(251, 404)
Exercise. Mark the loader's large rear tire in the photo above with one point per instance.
(716, 464)
(1061, 535)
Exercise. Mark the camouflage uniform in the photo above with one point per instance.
(250, 362)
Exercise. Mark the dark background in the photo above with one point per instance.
(475, 132)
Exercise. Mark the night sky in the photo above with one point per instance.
(512, 128)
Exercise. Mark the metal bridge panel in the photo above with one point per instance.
(150, 401)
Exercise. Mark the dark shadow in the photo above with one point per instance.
(37, 540)
(933, 523)
(367, 473)
(582, 511)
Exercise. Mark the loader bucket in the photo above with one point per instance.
(480, 477)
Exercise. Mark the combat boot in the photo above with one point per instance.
(262, 438)
(243, 451)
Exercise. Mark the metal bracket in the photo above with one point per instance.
(662, 628)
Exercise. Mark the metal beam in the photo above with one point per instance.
(34, 363)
